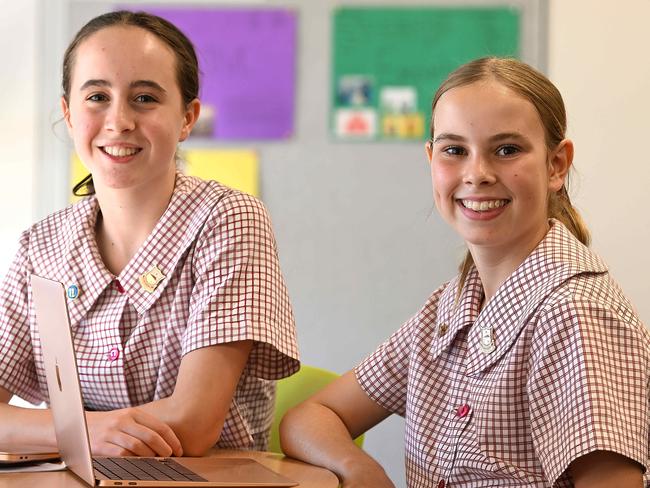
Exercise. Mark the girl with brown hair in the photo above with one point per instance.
(179, 312)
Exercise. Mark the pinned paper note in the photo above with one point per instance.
(356, 123)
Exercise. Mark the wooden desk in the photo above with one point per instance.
(308, 476)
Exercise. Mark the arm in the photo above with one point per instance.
(321, 431)
(24, 425)
(187, 423)
(5, 396)
(238, 293)
(206, 383)
(605, 469)
(588, 392)
(142, 434)
(238, 233)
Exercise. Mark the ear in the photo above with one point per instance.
(559, 164)
(191, 116)
(65, 109)
(428, 149)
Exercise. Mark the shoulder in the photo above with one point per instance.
(561, 270)
(224, 225)
(443, 297)
(420, 327)
(52, 222)
(594, 298)
(589, 315)
(59, 227)
(582, 281)
(219, 201)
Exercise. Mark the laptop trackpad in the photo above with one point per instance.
(234, 471)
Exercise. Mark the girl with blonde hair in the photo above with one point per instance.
(530, 368)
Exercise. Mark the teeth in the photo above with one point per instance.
(120, 151)
(483, 205)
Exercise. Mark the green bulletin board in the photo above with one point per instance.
(388, 62)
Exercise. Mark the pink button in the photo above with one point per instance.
(462, 411)
(118, 286)
(113, 354)
(441, 484)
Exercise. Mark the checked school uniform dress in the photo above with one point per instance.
(555, 366)
(212, 276)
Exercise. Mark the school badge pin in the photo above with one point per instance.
(151, 279)
(486, 340)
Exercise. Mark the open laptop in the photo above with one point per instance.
(72, 432)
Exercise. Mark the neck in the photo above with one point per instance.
(495, 265)
(127, 217)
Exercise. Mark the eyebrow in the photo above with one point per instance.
(446, 136)
(134, 84)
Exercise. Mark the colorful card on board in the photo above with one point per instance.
(247, 59)
(390, 60)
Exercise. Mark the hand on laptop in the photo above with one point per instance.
(131, 432)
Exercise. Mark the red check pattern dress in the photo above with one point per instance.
(569, 375)
(216, 249)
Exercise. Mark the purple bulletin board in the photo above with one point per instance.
(247, 58)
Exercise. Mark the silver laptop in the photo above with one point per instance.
(72, 432)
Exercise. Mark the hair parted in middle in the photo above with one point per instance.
(187, 66)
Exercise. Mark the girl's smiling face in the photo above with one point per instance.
(491, 169)
(125, 111)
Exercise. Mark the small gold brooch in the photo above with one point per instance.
(151, 279)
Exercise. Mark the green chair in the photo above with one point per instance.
(293, 390)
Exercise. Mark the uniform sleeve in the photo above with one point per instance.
(17, 369)
(383, 374)
(588, 385)
(239, 292)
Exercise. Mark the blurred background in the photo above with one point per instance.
(336, 151)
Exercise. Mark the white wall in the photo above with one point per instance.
(599, 61)
(18, 120)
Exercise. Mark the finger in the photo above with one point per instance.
(110, 449)
(116, 433)
(163, 431)
(149, 438)
(132, 445)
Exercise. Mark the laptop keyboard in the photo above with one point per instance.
(164, 469)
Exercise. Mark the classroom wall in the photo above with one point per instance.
(598, 58)
(18, 121)
(360, 254)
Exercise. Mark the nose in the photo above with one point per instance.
(119, 117)
(478, 171)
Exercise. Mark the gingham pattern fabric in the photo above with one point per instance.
(569, 375)
(222, 283)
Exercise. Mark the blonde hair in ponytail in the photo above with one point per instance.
(547, 100)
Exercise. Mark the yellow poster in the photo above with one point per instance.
(236, 168)
(77, 172)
